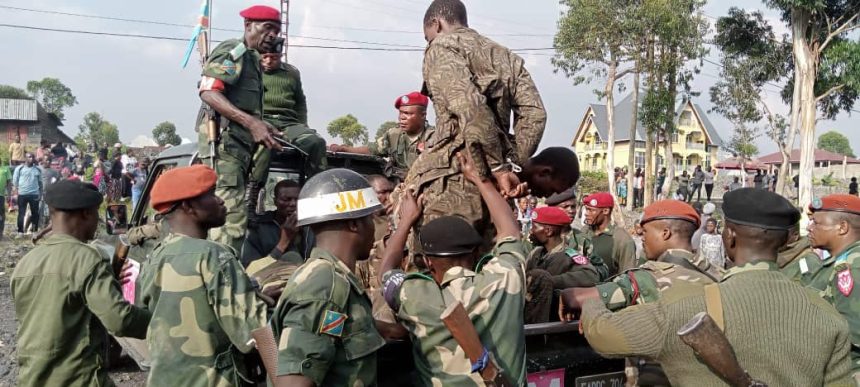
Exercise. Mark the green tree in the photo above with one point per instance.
(53, 95)
(97, 131)
(7, 91)
(835, 142)
(165, 133)
(348, 129)
(826, 66)
(742, 143)
(384, 128)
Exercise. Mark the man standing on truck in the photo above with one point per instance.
(285, 108)
(232, 85)
(754, 304)
(476, 86)
(492, 294)
(402, 144)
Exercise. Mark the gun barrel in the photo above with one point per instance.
(713, 348)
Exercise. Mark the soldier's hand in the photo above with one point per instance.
(125, 273)
(336, 148)
(410, 207)
(509, 184)
(467, 166)
(264, 133)
(573, 298)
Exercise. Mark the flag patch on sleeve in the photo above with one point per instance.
(332, 323)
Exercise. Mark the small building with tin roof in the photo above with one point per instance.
(29, 120)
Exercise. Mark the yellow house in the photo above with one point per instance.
(694, 143)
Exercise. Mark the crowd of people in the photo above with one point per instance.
(432, 254)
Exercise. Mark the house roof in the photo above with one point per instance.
(821, 155)
(18, 109)
(624, 113)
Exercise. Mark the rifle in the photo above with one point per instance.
(458, 323)
(264, 340)
(210, 115)
(709, 343)
(120, 254)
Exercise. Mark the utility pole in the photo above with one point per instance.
(285, 26)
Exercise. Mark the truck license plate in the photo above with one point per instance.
(612, 379)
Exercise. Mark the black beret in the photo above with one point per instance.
(759, 208)
(560, 197)
(449, 236)
(70, 195)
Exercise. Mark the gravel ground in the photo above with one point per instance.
(125, 373)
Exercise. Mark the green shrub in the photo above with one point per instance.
(592, 181)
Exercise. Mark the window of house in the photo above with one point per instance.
(679, 163)
(594, 163)
(675, 137)
(708, 162)
(639, 160)
(640, 144)
(686, 118)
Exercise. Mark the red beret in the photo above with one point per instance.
(671, 209)
(838, 203)
(413, 98)
(261, 12)
(180, 184)
(553, 216)
(599, 200)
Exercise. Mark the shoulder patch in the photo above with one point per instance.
(580, 260)
(332, 323)
(845, 282)
(238, 51)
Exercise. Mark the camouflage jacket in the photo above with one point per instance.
(645, 283)
(65, 296)
(418, 303)
(324, 325)
(567, 266)
(203, 311)
(614, 247)
(494, 297)
(476, 85)
(761, 309)
(400, 150)
(800, 263)
(840, 293)
(238, 67)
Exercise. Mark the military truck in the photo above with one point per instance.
(556, 354)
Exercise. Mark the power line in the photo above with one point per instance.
(172, 38)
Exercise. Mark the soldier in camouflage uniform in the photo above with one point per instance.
(552, 265)
(835, 227)
(492, 294)
(232, 85)
(798, 261)
(574, 237)
(203, 304)
(603, 241)
(476, 85)
(402, 144)
(65, 296)
(323, 321)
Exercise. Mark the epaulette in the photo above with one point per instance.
(238, 51)
(419, 276)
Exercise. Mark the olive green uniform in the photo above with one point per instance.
(476, 86)
(547, 271)
(576, 239)
(800, 263)
(65, 296)
(840, 293)
(400, 149)
(613, 246)
(238, 67)
(761, 308)
(324, 326)
(203, 311)
(417, 301)
(285, 107)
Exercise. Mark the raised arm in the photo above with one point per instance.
(500, 210)
(410, 210)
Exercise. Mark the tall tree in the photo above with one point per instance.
(826, 64)
(13, 92)
(53, 95)
(594, 40)
(348, 129)
(165, 133)
(97, 131)
(752, 56)
(384, 127)
(835, 142)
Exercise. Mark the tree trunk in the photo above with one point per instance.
(610, 118)
(650, 166)
(804, 78)
(631, 158)
(784, 172)
(672, 76)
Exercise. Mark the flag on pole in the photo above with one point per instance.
(202, 24)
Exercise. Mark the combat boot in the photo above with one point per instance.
(252, 197)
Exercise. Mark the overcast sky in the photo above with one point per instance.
(137, 83)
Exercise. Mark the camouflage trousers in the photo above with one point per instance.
(232, 164)
(303, 138)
